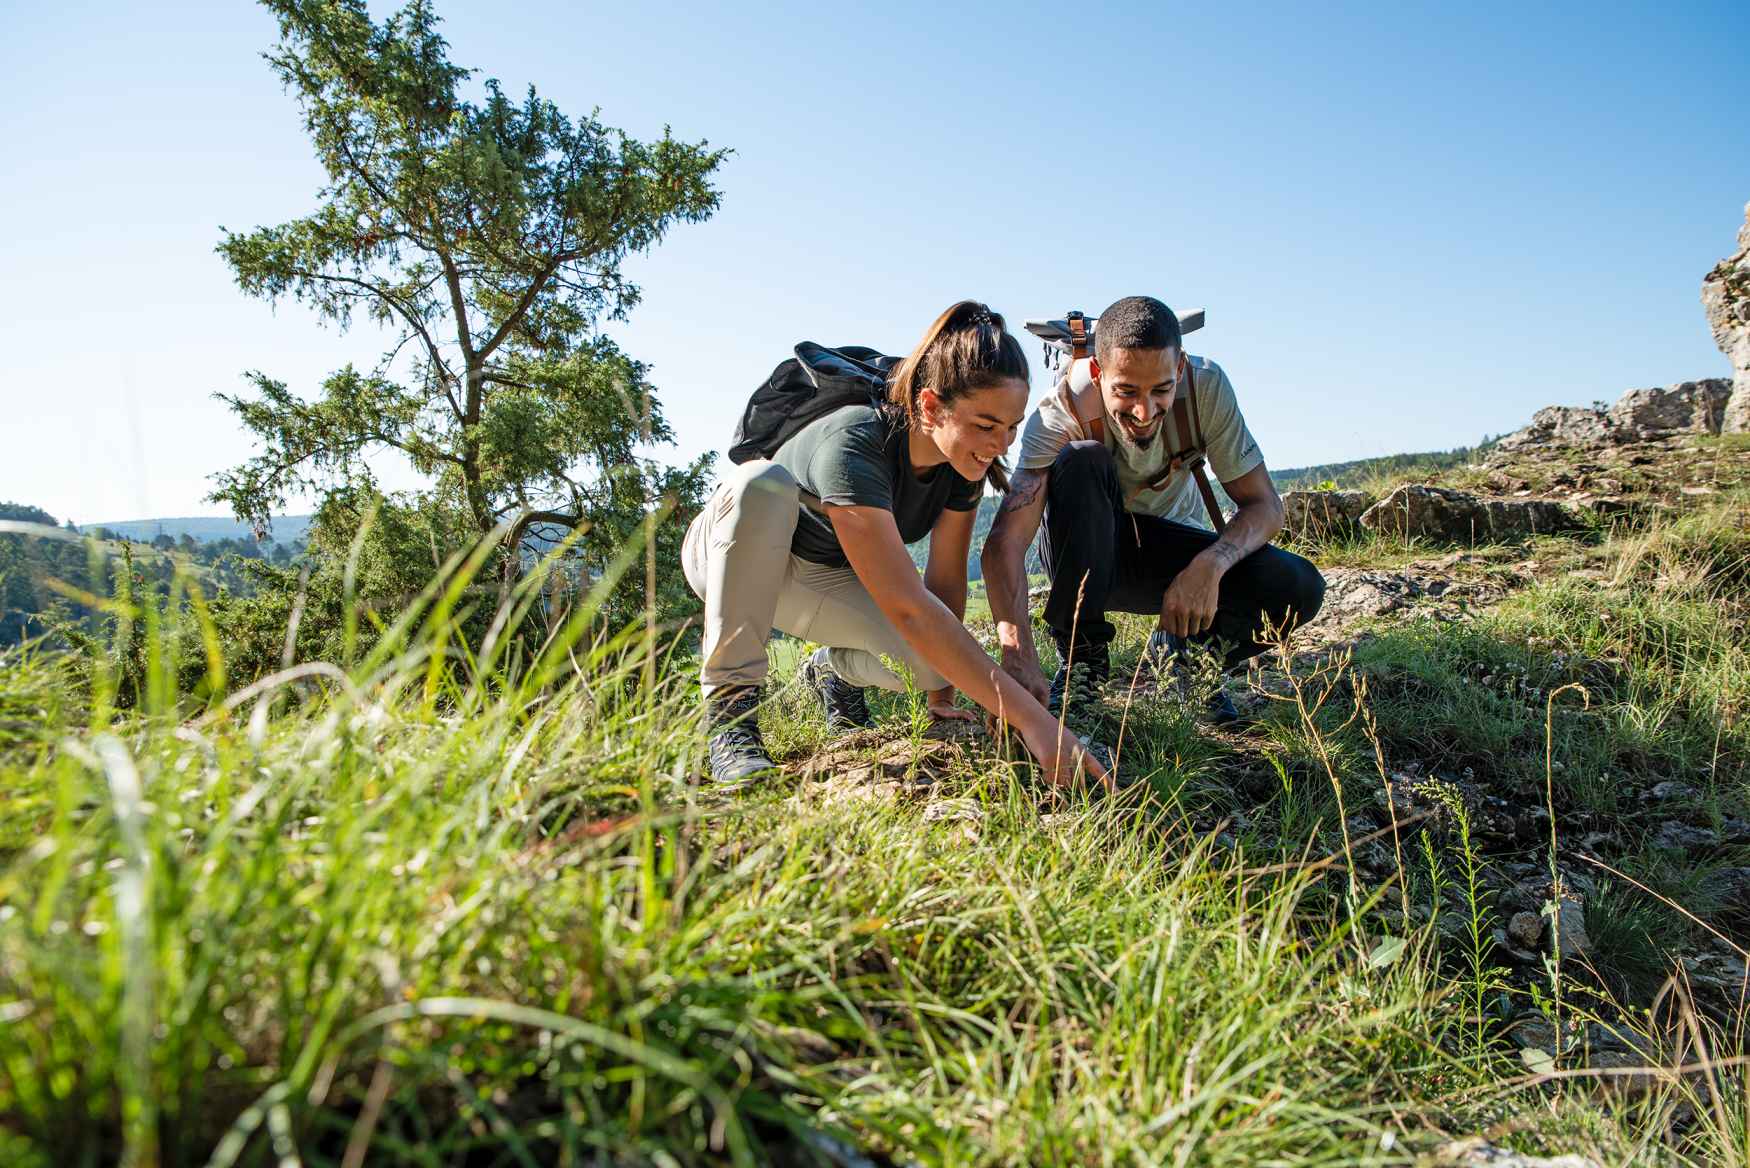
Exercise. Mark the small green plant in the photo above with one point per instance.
(1483, 980)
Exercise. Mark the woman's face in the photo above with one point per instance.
(976, 428)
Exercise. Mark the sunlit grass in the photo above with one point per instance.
(458, 902)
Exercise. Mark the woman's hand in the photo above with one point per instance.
(941, 706)
(1064, 756)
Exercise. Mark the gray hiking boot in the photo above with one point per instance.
(736, 751)
(847, 706)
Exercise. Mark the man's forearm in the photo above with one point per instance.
(1250, 528)
(949, 648)
(1005, 584)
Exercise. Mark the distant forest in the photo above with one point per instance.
(49, 585)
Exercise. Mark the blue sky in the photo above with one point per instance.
(1411, 225)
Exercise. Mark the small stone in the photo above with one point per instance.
(1480, 1153)
(953, 809)
(1505, 943)
(1533, 1032)
(1571, 929)
(1680, 837)
(1526, 929)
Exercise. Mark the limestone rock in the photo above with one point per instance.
(1480, 1153)
(1425, 512)
(1570, 928)
(1640, 415)
(1352, 593)
(1562, 426)
(1721, 970)
(1689, 407)
(1322, 513)
(1671, 789)
(1680, 837)
(1725, 294)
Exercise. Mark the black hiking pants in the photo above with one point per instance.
(1118, 561)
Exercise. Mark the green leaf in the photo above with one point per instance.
(1385, 953)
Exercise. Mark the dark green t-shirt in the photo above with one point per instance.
(858, 457)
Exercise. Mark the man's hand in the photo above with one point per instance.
(941, 707)
(1024, 668)
(1188, 608)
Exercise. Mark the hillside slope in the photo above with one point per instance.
(1473, 884)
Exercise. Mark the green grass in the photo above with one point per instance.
(482, 912)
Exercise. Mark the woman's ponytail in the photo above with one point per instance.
(967, 348)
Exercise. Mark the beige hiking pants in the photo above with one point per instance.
(737, 560)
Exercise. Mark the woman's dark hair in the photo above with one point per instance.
(967, 348)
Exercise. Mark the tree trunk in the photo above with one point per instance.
(473, 379)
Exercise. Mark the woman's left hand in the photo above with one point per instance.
(942, 708)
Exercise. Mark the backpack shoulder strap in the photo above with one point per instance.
(1188, 417)
(1094, 427)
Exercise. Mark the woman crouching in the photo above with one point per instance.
(836, 570)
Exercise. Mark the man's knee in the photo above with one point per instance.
(1085, 457)
(1081, 468)
(1302, 589)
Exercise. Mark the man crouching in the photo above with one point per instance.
(1123, 526)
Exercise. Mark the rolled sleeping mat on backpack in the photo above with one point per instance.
(1055, 333)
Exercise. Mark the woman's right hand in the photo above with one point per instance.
(1063, 755)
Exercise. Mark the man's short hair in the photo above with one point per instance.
(1136, 322)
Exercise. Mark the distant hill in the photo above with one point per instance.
(1347, 474)
(286, 528)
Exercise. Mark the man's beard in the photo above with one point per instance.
(1133, 444)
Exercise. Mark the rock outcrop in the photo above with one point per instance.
(1640, 415)
(1444, 514)
(1725, 294)
(1562, 426)
(1321, 514)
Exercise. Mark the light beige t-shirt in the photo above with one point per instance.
(1232, 450)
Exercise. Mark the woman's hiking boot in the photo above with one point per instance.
(735, 750)
(847, 706)
(1081, 676)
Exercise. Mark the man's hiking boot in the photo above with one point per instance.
(847, 707)
(737, 752)
(1169, 663)
(1075, 690)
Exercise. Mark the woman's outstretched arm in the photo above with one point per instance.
(878, 556)
(945, 579)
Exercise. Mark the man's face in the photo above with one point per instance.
(1137, 388)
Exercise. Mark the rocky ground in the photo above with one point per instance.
(1552, 502)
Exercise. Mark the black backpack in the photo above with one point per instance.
(810, 385)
